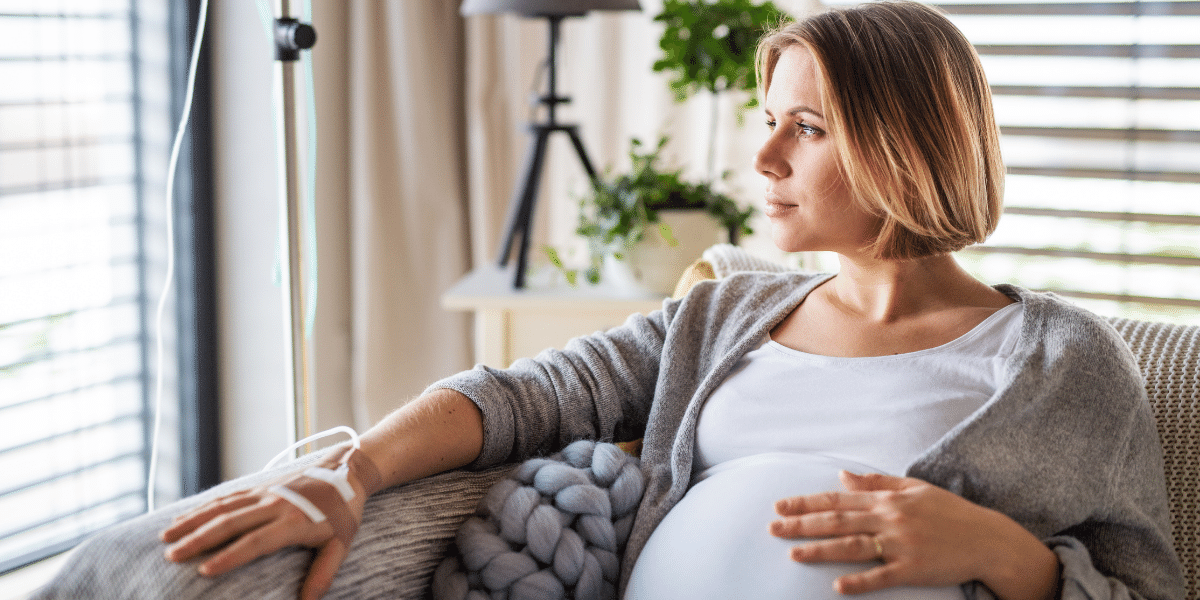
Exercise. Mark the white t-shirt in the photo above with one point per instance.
(783, 423)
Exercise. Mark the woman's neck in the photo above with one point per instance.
(886, 291)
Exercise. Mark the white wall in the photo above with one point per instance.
(250, 313)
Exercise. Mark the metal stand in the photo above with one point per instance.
(291, 36)
(520, 210)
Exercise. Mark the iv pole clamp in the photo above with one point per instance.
(520, 215)
(292, 36)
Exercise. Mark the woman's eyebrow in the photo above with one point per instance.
(804, 109)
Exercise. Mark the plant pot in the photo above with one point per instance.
(653, 265)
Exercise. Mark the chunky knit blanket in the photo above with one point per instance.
(554, 529)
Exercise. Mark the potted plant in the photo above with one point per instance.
(653, 221)
(709, 46)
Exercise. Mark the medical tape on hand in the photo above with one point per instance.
(339, 479)
(324, 494)
(299, 502)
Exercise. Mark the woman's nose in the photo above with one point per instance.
(768, 160)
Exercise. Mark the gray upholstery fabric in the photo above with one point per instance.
(1169, 357)
(406, 531)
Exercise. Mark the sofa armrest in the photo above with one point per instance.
(406, 532)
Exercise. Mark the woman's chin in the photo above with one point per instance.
(788, 242)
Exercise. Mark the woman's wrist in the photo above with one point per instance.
(1021, 566)
(364, 471)
(363, 474)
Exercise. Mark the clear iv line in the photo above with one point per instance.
(170, 213)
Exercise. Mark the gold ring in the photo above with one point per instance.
(878, 548)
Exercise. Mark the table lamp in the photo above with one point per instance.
(520, 210)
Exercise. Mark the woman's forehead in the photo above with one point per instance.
(794, 83)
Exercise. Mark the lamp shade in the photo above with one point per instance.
(541, 8)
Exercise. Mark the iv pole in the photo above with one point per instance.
(292, 36)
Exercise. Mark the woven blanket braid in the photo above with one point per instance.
(554, 530)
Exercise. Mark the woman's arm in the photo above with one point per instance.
(439, 431)
(599, 386)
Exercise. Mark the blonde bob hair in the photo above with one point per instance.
(908, 104)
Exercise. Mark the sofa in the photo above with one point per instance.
(408, 529)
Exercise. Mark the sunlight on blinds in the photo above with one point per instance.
(84, 120)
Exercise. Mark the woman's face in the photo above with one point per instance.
(808, 201)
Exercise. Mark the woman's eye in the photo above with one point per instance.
(802, 129)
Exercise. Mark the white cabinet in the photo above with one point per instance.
(512, 324)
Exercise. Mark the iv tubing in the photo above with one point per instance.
(151, 477)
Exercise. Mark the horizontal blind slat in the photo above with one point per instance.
(1119, 92)
(32, 358)
(123, 495)
(1147, 259)
(63, 474)
(116, 302)
(1152, 300)
(112, 381)
(1129, 175)
(75, 431)
(1185, 8)
(1092, 50)
(72, 143)
(1099, 133)
(67, 184)
(1106, 216)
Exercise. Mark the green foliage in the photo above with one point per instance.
(710, 45)
(619, 211)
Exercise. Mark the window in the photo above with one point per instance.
(1099, 109)
(87, 116)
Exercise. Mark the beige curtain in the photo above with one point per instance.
(408, 226)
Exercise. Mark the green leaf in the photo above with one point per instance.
(664, 230)
(552, 254)
(710, 45)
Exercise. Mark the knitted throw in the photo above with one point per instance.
(555, 529)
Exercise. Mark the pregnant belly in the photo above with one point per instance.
(715, 544)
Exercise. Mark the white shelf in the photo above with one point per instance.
(514, 323)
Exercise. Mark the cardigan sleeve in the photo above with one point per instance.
(597, 387)
(1125, 550)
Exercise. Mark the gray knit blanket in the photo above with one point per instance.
(552, 530)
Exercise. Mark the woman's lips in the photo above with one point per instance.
(777, 208)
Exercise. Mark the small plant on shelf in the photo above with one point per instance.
(620, 211)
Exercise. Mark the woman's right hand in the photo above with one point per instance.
(256, 522)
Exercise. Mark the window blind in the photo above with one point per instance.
(84, 128)
(1099, 110)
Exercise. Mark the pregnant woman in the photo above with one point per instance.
(897, 429)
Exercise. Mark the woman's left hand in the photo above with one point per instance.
(923, 535)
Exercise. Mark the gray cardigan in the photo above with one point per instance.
(1067, 446)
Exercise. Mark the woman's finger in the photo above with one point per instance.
(324, 567)
(824, 501)
(850, 548)
(221, 529)
(251, 545)
(827, 524)
(878, 578)
(874, 482)
(189, 521)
